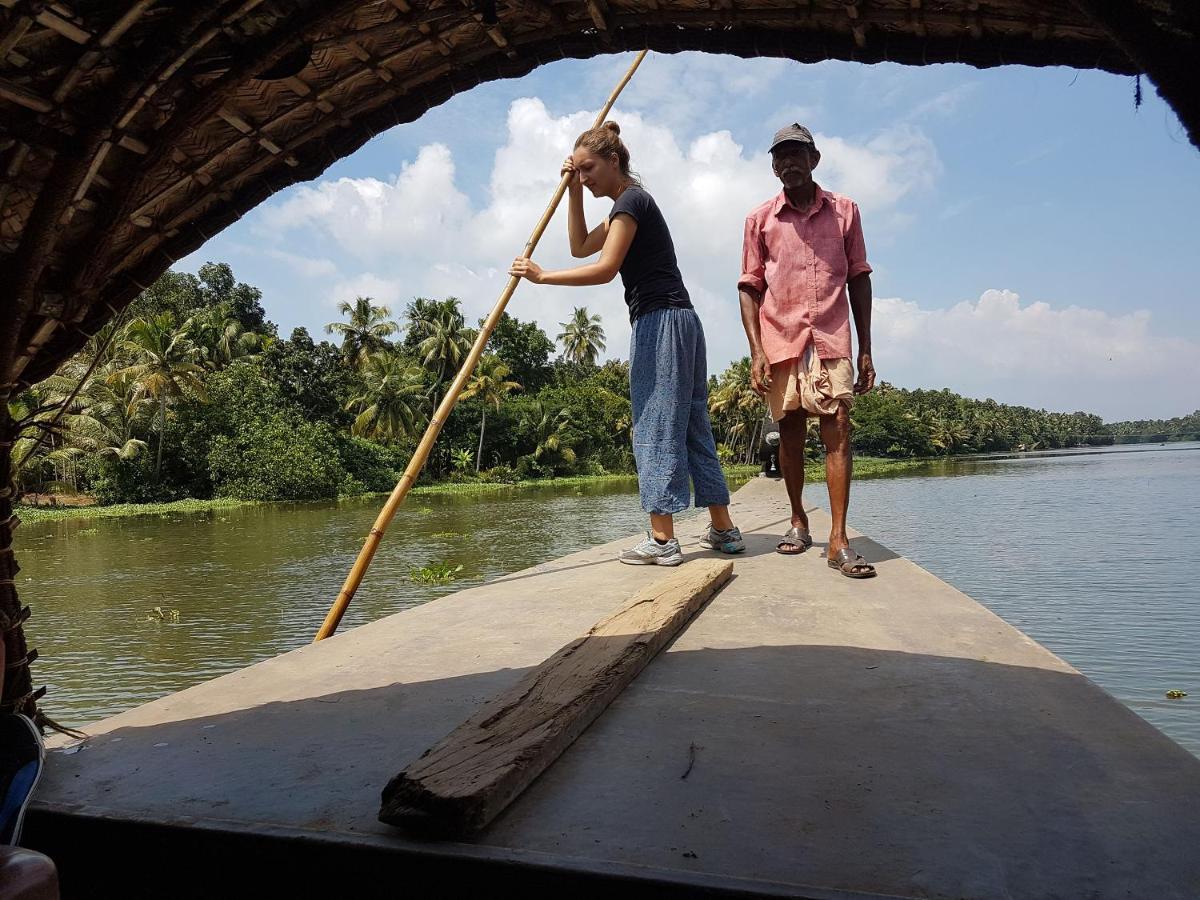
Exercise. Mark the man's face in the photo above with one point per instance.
(793, 163)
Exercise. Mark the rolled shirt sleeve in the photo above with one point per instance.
(754, 258)
(856, 246)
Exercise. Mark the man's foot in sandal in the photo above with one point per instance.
(851, 564)
(794, 542)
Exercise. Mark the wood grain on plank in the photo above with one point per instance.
(463, 782)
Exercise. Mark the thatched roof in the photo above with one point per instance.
(131, 131)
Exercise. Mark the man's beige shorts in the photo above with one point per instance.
(819, 388)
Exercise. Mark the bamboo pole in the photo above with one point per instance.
(354, 579)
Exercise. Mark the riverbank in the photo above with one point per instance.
(864, 467)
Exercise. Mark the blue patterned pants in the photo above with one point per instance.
(672, 436)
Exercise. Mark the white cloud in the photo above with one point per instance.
(309, 267)
(946, 103)
(390, 292)
(881, 172)
(688, 92)
(1034, 354)
(414, 214)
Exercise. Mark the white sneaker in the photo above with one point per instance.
(730, 541)
(651, 553)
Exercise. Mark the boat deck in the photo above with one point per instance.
(806, 735)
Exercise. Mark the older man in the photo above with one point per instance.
(803, 248)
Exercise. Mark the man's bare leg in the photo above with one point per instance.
(793, 430)
(835, 435)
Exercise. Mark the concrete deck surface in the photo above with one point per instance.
(888, 737)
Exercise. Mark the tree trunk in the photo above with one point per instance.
(752, 443)
(162, 434)
(18, 694)
(479, 452)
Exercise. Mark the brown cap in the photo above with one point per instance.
(793, 132)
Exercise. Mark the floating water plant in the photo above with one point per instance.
(435, 573)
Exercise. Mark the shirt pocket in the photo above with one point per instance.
(829, 256)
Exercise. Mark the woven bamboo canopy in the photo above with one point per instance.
(132, 131)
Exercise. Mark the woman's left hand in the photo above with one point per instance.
(523, 267)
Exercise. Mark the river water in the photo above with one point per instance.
(1091, 554)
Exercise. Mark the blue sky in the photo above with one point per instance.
(1032, 234)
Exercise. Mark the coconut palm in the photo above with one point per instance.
(582, 337)
(166, 365)
(421, 312)
(737, 406)
(390, 398)
(366, 332)
(490, 385)
(446, 344)
(948, 435)
(114, 411)
(219, 336)
(552, 431)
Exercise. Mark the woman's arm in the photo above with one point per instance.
(616, 245)
(583, 242)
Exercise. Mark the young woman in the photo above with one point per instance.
(668, 379)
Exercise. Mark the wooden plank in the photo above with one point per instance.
(463, 782)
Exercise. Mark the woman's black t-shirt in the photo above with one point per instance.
(650, 272)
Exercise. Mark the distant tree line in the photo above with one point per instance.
(1144, 431)
(193, 393)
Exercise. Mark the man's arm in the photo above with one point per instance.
(751, 285)
(760, 369)
(860, 306)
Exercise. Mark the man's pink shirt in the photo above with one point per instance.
(799, 262)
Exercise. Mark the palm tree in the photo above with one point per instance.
(738, 408)
(551, 429)
(366, 332)
(165, 366)
(390, 398)
(948, 435)
(445, 341)
(489, 384)
(582, 337)
(114, 412)
(32, 413)
(219, 336)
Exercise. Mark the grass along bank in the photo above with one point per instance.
(864, 467)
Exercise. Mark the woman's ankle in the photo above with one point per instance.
(719, 516)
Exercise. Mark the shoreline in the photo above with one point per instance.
(865, 467)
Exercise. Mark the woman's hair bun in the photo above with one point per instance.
(613, 127)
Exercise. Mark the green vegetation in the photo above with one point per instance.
(897, 423)
(193, 396)
(161, 615)
(435, 573)
(1157, 431)
(31, 514)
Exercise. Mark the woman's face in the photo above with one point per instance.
(600, 175)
